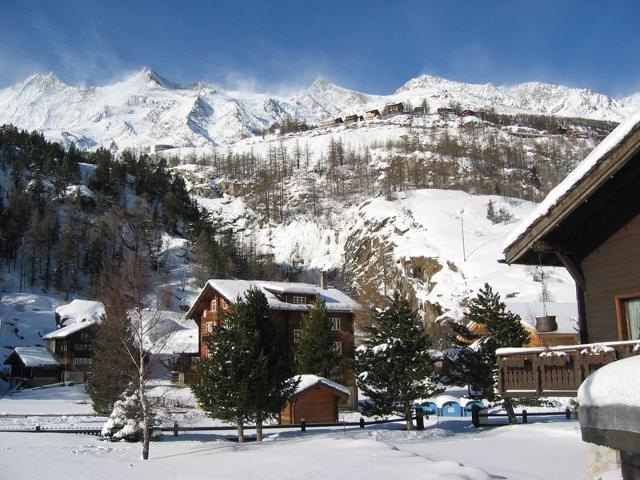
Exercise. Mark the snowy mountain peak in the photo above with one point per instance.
(154, 79)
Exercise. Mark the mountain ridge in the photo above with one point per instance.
(146, 108)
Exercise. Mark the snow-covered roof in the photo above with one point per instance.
(307, 381)
(36, 357)
(612, 141)
(440, 400)
(617, 383)
(64, 332)
(79, 191)
(79, 310)
(333, 298)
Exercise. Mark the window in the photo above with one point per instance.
(209, 327)
(297, 333)
(82, 347)
(214, 305)
(84, 336)
(335, 323)
(629, 318)
(337, 347)
(299, 299)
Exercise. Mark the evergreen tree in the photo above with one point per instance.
(246, 375)
(315, 353)
(494, 327)
(394, 363)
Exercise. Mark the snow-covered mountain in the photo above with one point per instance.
(146, 109)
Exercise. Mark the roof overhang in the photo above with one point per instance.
(596, 206)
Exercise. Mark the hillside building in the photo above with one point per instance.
(288, 302)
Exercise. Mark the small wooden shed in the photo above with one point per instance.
(315, 401)
(35, 365)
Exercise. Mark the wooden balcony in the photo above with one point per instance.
(555, 371)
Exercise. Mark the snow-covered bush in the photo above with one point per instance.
(125, 422)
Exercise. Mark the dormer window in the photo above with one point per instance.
(299, 299)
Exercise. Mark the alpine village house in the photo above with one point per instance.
(288, 302)
(590, 225)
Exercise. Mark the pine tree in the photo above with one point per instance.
(394, 364)
(495, 327)
(272, 383)
(246, 375)
(315, 353)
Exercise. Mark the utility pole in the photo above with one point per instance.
(464, 252)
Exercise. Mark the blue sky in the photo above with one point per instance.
(372, 46)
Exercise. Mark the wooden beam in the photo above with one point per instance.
(572, 267)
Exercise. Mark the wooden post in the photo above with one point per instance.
(475, 415)
(38, 428)
(361, 422)
(567, 413)
(419, 419)
(175, 429)
(525, 418)
(303, 425)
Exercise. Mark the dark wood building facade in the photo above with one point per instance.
(288, 302)
(73, 345)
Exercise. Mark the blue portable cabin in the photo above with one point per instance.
(468, 403)
(448, 406)
(429, 408)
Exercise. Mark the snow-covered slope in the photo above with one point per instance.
(146, 109)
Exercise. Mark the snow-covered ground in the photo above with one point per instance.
(454, 450)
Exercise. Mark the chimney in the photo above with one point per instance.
(323, 280)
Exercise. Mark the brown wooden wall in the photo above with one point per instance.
(318, 404)
(611, 270)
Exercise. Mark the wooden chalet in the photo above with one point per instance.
(332, 122)
(33, 367)
(316, 401)
(288, 302)
(393, 109)
(468, 113)
(372, 114)
(446, 112)
(351, 118)
(73, 346)
(419, 110)
(590, 225)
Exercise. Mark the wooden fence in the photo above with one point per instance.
(176, 428)
(476, 416)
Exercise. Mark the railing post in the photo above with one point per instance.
(419, 418)
(361, 422)
(475, 415)
(175, 429)
(303, 426)
(525, 418)
(38, 428)
(567, 413)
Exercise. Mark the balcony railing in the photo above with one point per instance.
(555, 371)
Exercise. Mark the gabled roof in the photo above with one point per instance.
(231, 290)
(582, 200)
(308, 381)
(36, 357)
(64, 332)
